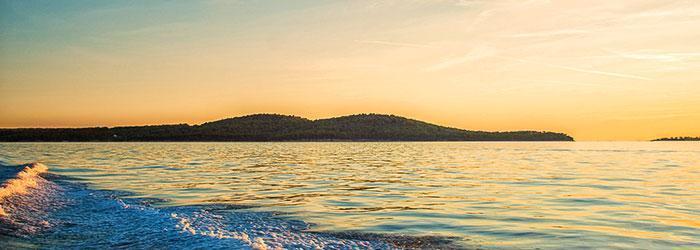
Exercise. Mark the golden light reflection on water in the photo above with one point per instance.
(509, 194)
(21, 183)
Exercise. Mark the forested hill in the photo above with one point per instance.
(273, 127)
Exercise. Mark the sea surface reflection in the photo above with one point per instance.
(597, 194)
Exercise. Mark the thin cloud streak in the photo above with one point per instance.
(549, 33)
(473, 55)
(396, 44)
(589, 71)
(661, 57)
(571, 83)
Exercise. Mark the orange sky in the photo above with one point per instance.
(600, 70)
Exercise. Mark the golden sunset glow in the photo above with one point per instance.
(596, 70)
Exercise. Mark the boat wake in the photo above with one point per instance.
(27, 178)
(46, 210)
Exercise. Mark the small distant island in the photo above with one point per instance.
(684, 138)
(275, 127)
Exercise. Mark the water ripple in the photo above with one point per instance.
(495, 195)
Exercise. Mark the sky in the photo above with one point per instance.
(597, 70)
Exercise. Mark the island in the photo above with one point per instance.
(684, 138)
(275, 127)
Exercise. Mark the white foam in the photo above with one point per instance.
(261, 237)
(214, 232)
(22, 183)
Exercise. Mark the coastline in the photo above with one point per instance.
(274, 127)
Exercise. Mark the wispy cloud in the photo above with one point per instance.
(473, 55)
(581, 70)
(469, 3)
(661, 57)
(573, 83)
(549, 33)
(675, 11)
(396, 44)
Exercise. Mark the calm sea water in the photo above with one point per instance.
(360, 195)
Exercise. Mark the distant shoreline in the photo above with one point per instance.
(1, 141)
(279, 128)
(684, 138)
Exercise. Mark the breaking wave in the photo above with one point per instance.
(27, 178)
(53, 211)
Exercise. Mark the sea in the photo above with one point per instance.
(350, 195)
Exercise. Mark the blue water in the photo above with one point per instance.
(356, 195)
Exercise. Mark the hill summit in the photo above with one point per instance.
(275, 127)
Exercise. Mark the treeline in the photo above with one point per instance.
(678, 138)
(273, 127)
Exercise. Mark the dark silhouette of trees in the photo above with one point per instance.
(678, 138)
(274, 127)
